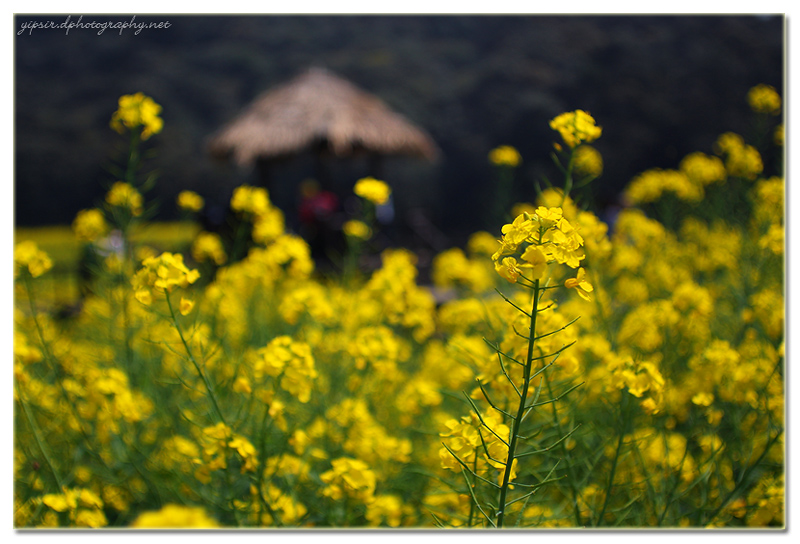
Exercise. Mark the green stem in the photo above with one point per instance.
(610, 484)
(520, 411)
(565, 453)
(472, 485)
(210, 390)
(38, 439)
(568, 177)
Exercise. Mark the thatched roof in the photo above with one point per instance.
(318, 108)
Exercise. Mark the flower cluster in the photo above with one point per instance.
(289, 360)
(190, 201)
(255, 205)
(28, 256)
(576, 127)
(125, 196)
(174, 516)
(90, 225)
(764, 99)
(349, 477)
(587, 162)
(208, 246)
(137, 110)
(83, 507)
(505, 155)
(373, 190)
(741, 159)
(546, 236)
(357, 229)
(162, 274)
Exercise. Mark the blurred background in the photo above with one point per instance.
(661, 87)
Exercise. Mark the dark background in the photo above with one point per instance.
(660, 86)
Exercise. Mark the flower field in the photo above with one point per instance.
(579, 373)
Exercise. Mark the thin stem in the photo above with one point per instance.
(38, 439)
(210, 390)
(610, 484)
(520, 411)
(564, 452)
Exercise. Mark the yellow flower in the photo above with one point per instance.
(27, 255)
(208, 245)
(125, 195)
(357, 229)
(703, 399)
(536, 260)
(482, 243)
(580, 284)
(173, 516)
(764, 99)
(137, 110)
(349, 477)
(576, 127)
(702, 169)
(505, 155)
(186, 306)
(190, 201)
(508, 268)
(251, 200)
(588, 161)
(90, 225)
(163, 273)
(374, 190)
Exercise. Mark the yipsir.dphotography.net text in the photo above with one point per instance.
(99, 25)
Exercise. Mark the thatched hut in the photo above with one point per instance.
(322, 113)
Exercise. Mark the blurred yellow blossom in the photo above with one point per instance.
(357, 229)
(190, 201)
(505, 155)
(588, 161)
(764, 99)
(173, 516)
(250, 200)
(374, 190)
(208, 245)
(137, 110)
(576, 127)
(124, 195)
(28, 256)
(349, 477)
(90, 225)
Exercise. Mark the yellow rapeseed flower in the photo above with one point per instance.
(764, 99)
(190, 201)
(588, 161)
(27, 255)
(505, 155)
(208, 245)
(580, 284)
(124, 195)
(357, 229)
(251, 200)
(137, 110)
(349, 477)
(576, 127)
(163, 274)
(374, 190)
(173, 516)
(90, 225)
